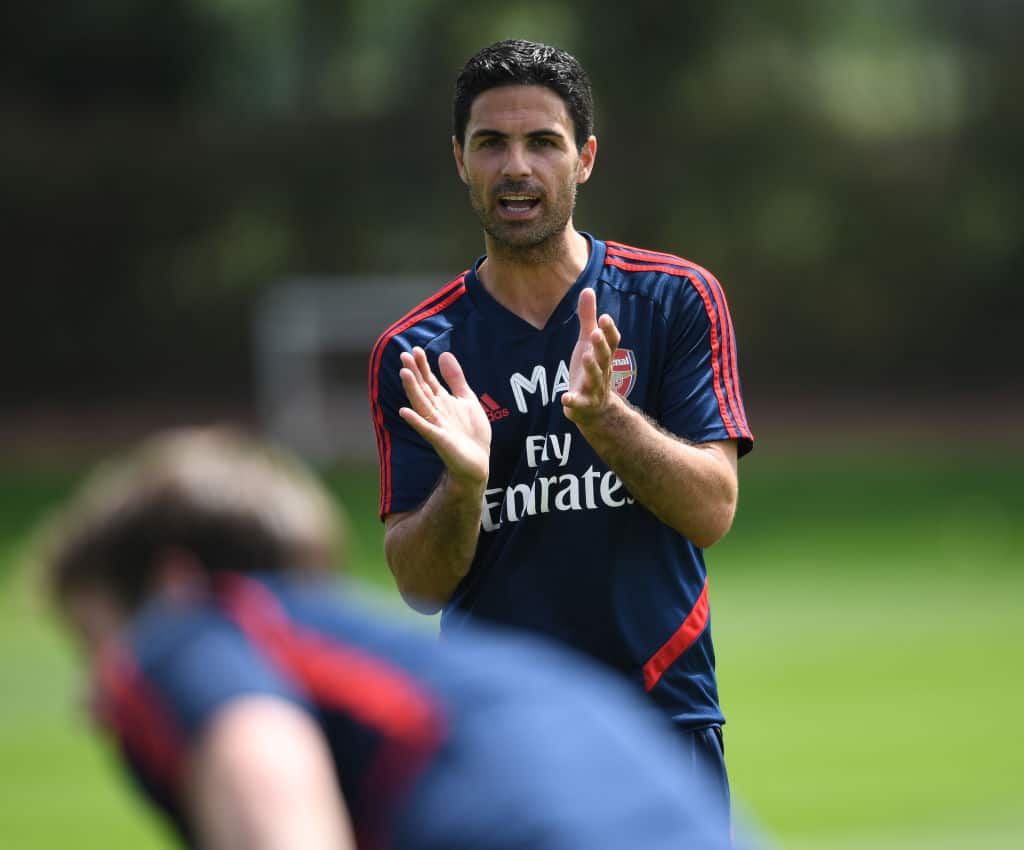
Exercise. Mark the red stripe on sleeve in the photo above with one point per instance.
(347, 679)
(128, 705)
(441, 300)
(729, 354)
(383, 437)
(716, 349)
(434, 304)
(331, 672)
(681, 641)
(727, 380)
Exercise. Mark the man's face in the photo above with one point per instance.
(521, 164)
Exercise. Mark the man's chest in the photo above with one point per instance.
(520, 383)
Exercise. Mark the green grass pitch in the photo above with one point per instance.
(869, 617)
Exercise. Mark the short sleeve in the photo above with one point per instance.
(701, 398)
(157, 690)
(409, 466)
(191, 663)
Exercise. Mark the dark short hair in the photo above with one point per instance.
(525, 63)
(231, 501)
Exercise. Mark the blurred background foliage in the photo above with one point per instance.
(850, 171)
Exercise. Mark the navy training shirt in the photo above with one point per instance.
(482, 743)
(564, 549)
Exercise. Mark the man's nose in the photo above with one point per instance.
(517, 163)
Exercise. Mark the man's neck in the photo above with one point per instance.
(533, 283)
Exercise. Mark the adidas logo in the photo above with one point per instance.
(493, 410)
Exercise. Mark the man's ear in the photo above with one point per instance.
(459, 164)
(588, 156)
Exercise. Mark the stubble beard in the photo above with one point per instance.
(527, 242)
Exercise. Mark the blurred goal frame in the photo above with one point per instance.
(312, 338)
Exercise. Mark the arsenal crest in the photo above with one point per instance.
(623, 371)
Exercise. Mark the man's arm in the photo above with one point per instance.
(262, 779)
(692, 488)
(430, 549)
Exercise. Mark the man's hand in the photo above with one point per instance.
(430, 549)
(454, 422)
(590, 369)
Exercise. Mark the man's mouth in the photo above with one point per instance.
(515, 204)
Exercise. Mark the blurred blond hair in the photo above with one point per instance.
(232, 501)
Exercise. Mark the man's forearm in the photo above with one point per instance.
(691, 488)
(430, 549)
(262, 778)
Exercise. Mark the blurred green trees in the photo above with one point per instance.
(849, 171)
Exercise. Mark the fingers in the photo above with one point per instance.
(591, 387)
(421, 375)
(453, 375)
(587, 312)
(416, 362)
(600, 350)
(419, 395)
(427, 395)
(424, 427)
(604, 340)
(611, 332)
(425, 413)
(433, 410)
(586, 309)
(420, 358)
(596, 369)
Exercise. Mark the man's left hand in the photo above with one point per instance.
(590, 393)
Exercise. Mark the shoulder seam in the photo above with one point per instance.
(422, 310)
(723, 340)
(438, 302)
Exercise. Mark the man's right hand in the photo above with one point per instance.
(453, 422)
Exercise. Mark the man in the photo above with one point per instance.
(582, 449)
(259, 711)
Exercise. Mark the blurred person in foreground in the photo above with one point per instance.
(582, 451)
(259, 710)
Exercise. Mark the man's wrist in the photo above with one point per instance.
(465, 489)
(609, 424)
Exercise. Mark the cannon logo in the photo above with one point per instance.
(623, 371)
